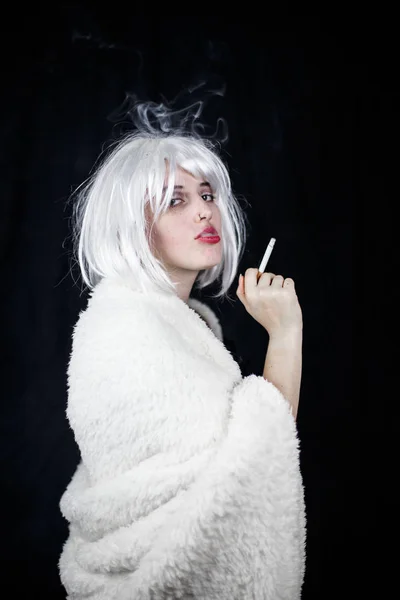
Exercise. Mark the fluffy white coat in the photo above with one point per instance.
(189, 484)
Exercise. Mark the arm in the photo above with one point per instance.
(250, 490)
(283, 365)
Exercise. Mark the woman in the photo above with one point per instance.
(189, 484)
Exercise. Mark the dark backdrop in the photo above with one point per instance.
(291, 99)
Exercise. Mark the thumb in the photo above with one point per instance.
(239, 291)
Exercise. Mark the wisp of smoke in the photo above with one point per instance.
(171, 117)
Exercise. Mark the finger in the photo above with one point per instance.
(249, 280)
(277, 281)
(266, 277)
(288, 282)
(240, 291)
(241, 284)
(240, 288)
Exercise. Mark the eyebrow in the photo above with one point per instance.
(181, 187)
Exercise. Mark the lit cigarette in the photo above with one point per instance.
(266, 256)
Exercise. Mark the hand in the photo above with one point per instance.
(271, 300)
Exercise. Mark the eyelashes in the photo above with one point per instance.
(210, 196)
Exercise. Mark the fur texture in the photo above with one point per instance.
(189, 484)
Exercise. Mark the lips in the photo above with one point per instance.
(209, 239)
(208, 232)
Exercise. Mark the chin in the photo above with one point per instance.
(197, 266)
(200, 265)
(209, 265)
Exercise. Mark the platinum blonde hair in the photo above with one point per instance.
(111, 232)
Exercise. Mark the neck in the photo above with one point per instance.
(184, 282)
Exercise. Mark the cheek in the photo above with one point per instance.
(175, 240)
(171, 238)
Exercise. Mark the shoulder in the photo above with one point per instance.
(118, 325)
(112, 306)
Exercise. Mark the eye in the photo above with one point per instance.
(211, 196)
(174, 200)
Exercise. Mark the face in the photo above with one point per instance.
(191, 210)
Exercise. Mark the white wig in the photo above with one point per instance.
(110, 227)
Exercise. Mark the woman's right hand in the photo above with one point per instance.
(272, 301)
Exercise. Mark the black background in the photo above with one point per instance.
(295, 101)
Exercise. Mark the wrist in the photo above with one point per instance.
(286, 336)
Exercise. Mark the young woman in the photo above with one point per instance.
(189, 484)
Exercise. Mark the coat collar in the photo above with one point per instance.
(206, 314)
(179, 314)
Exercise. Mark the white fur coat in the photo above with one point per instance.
(189, 484)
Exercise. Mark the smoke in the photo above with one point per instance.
(184, 114)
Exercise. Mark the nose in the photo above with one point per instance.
(202, 208)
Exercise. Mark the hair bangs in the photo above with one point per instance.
(193, 157)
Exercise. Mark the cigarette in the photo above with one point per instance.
(266, 256)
